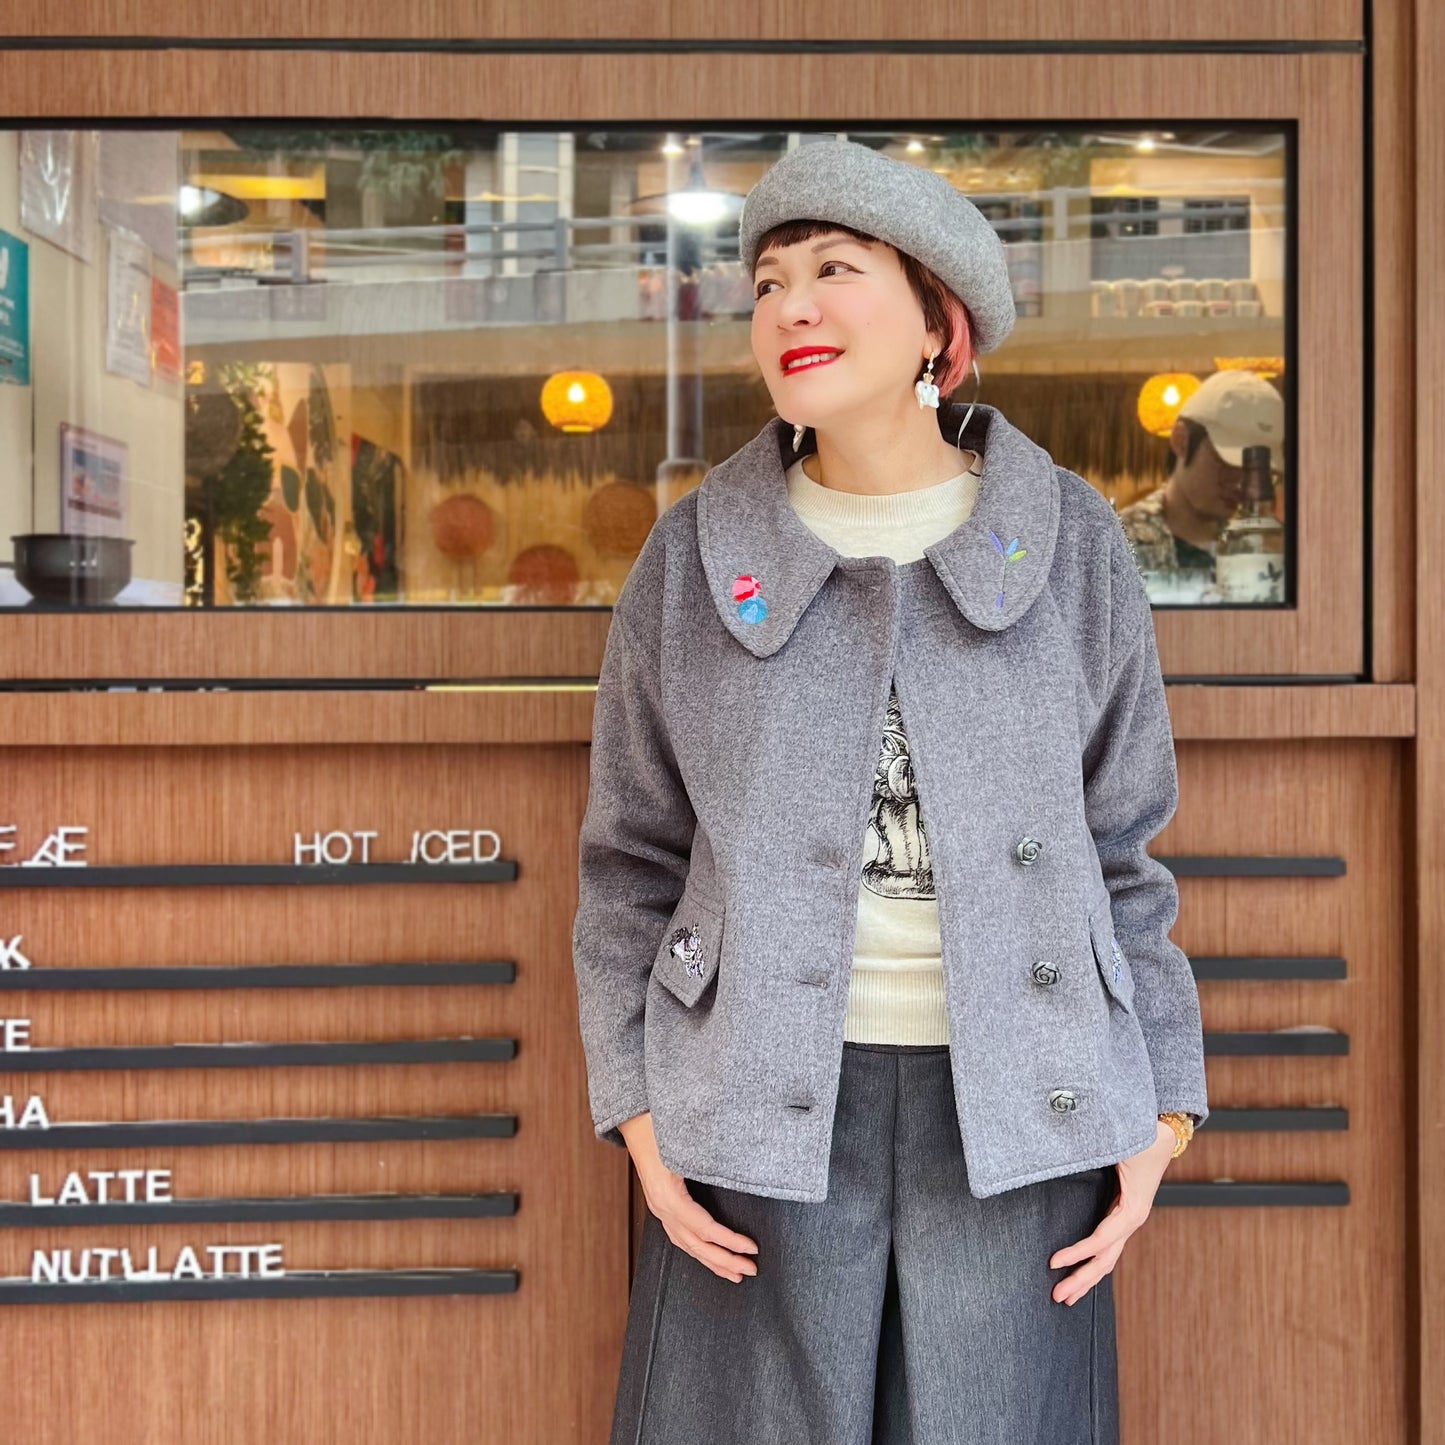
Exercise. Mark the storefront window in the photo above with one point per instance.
(470, 367)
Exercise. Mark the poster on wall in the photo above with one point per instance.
(140, 185)
(94, 496)
(57, 188)
(165, 331)
(310, 556)
(14, 310)
(128, 308)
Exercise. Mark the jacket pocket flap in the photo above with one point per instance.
(687, 958)
(1109, 956)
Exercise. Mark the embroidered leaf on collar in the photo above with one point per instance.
(1012, 552)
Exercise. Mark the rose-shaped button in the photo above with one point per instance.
(1028, 850)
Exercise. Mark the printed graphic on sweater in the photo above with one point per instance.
(895, 858)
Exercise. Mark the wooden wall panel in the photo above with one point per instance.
(644, 86)
(1276, 1323)
(448, 1371)
(1038, 22)
(1394, 294)
(543, 713)
(458, 644)
(1426, 818)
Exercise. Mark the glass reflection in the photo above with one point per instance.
(252, 367)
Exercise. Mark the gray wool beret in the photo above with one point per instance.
(911, 207)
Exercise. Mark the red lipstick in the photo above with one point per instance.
(793, 353)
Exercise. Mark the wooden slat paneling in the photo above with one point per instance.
(1285, 1323)
(443, 1371)
(1426, 822)
(136, 645)
(1040, 21)
(564, 714)
(204, 719)
(1394, 290)
(1200, 711)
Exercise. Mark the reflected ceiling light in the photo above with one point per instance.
(697, 208)
(694, 203)
(914, 147)
(206, 206)
(1160, 399)
(194, 199)
(697, 204)
(576, 401)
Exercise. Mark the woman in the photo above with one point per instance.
(873, 967)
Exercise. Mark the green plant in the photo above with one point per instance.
(235, 494)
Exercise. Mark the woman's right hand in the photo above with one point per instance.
(689, 1226)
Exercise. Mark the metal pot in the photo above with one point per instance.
(70, 568)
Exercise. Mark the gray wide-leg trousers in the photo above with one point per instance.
(899, 1311)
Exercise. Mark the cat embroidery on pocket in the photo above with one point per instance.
(687, 946)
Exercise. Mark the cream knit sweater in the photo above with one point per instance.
(895, 990)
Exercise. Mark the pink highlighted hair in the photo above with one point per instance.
(943, 312)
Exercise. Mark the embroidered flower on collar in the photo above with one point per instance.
(1011, 553)
(747, 593)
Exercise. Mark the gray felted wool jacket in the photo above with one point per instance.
(739, 716)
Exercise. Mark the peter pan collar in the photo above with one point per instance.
(756, 550)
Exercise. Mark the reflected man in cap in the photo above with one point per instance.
(1174, 527)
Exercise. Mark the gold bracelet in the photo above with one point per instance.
(1183, 1127)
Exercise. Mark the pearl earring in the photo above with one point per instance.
(924, 389)
(798, 435)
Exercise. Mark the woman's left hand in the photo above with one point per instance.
(1139, 1177)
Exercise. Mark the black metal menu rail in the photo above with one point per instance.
(205, 1133)
(1246, 865)
(255, 1211)
(262, 1056)
(230, 875)
(265, 975)
(1221, 1193)
(1284, 1043)
(1268, 967)
(295, 1284)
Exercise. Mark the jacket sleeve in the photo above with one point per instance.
(633, 859)
(1131, 791)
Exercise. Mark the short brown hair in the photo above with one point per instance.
(943, 312)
